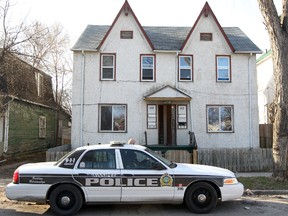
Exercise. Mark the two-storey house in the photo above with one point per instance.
(157, 84)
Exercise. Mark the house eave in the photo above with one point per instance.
(87, 50)
(248, 52)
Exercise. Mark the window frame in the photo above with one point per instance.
(191, 68)
(218, 78)
(112, 119)
(220, 120)
(102, 55)
(153, 68)
(126, 34)
(181, 115)
(150, 116)
(99, 151)
(42, 123)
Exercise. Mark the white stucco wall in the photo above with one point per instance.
(266, 89)
(204, 90)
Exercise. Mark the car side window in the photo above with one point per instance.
(137, 160)
(98, 159)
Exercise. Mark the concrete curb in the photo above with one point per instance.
(269, 192)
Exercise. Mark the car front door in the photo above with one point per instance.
(97, 172)
(145, 179)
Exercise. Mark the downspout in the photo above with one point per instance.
(250, 102)
(6, 129)
(82, 97)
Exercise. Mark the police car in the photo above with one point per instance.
(121, 173)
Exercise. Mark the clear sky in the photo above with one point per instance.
(75, 15)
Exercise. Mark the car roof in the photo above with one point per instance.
(115, 145)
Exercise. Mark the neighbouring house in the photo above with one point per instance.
(28, 121)
(265, 84)
(266, 92)
(159, 84)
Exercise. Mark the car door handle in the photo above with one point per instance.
(82, 174)
(128, 175)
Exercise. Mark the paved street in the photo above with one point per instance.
(264, 205)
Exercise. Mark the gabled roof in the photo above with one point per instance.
(18, 81)
(167, 93)
(165, 38)
(206, 11)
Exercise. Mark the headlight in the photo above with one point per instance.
(230, 181)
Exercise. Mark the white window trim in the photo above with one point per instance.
(223, 67)
(185, 67)
(146, 80)
(113, 66)
(39, 84)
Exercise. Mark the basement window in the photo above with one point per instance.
(126, 34)
(206, 36)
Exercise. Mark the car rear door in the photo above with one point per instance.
(145, 179)
(97, 172)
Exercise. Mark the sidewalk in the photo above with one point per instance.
(254, 174)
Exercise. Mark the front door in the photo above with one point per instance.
(167, 125)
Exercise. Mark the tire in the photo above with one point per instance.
(66, 200)
(201, 198)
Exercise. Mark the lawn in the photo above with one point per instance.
(263, 183)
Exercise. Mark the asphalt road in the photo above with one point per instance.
(252, 205)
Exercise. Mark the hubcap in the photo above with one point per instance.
(201, 198)
(65, 200)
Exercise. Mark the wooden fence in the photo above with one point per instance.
(54, 154)
(238, 160)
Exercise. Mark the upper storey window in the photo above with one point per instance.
(223, 68)
(147, 67)
(126, 34)
(108, 66)
(185, 68)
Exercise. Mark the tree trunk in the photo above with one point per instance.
(277, 30)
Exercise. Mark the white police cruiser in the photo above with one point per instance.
(121, 173)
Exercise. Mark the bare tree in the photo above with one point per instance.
(277, 28)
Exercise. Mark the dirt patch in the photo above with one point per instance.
(8, 166)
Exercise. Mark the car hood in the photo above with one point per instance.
(203, 170)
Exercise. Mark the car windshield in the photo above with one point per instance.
(162, 159)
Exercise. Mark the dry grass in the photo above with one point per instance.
(264, 183)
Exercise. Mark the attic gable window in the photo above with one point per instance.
(108, 66)
(39, 84)
(206, 36)
(126, 34)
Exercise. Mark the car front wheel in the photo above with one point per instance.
(66, 200)
(201, 198)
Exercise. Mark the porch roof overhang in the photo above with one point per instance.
(167, 93)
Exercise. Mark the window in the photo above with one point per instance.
(151, 116)
(223, 69)
(98, 159)
(206, 37)
(2, 128)
(133, 159)
(182, 116)
(42, 126)
(126, 34)
(39, 84)
(108, 66)
(147, 68)
(112, 118)
(220, 119)
(185, 68)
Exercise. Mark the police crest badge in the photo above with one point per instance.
(166, 180)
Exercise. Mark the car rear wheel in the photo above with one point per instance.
(66, 200)
(201, 198)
